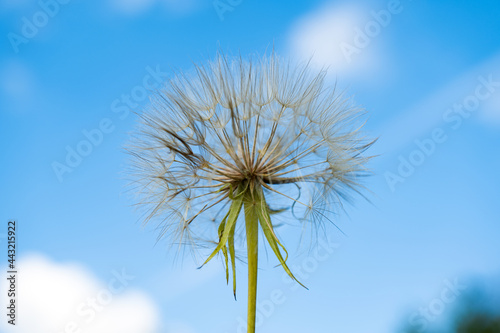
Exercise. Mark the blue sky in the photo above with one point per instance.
(428, 74)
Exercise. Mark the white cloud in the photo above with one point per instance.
(52, 297)
(319, 36)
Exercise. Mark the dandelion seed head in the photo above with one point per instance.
(232, 121)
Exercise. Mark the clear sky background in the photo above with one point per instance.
(428, 72)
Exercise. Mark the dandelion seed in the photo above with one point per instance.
(215, 144)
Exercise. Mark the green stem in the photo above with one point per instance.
(252, 229)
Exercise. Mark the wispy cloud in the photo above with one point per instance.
(443, 106)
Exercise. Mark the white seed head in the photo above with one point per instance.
(231, 121)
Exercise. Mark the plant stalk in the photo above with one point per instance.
(252, 231)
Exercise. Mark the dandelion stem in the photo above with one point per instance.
(252, 230)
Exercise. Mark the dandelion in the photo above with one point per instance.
(220, 147)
